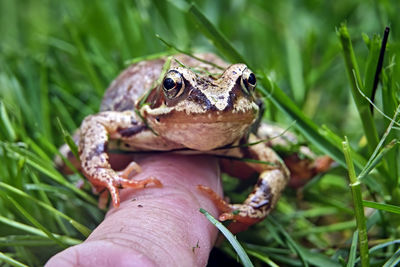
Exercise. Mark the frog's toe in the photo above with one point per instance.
(123, 182)
(106, 177)
(113, 189)
(131, 169)
(221, 204)
(114, 184)
(103, 200)
(226, 216)
(243, 214)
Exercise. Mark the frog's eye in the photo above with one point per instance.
(173, 84)
(248, 81)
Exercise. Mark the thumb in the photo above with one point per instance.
(155, 226)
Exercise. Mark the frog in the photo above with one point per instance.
(186, 104)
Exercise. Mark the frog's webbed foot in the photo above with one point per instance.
(113, 181)
(273, 177)
(257, 205)
(302, 169)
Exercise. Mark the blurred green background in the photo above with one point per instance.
(81, 46)
(58, 57)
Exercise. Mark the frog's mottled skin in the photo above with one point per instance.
(210, 109)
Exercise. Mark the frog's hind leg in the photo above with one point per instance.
(273, 177)
(300, 160)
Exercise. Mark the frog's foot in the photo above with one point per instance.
(112, 181)
(132, 168)
(120, 182)
(221, 204)
(302, 170)
(103, 200)
(257, 205)
(242, 215)
(322, 164)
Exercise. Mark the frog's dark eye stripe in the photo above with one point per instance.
(248, 81)
(173, 84)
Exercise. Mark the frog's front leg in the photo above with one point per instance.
(95, 133)
(273, 177)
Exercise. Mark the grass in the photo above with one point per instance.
(315, 62)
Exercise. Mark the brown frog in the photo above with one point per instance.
(197, 104)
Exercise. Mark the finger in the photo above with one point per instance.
(155, 226)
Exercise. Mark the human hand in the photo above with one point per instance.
(155, 226)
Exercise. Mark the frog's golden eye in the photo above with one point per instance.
(173, 84)
(248, 81)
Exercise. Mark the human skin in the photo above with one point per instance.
(155, 226)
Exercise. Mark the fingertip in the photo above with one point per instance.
(100, 253)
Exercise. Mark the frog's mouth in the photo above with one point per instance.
(203, 131)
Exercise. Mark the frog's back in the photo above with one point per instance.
(138, 78)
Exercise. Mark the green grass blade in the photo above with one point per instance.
(215, 36)
(44, 198)
(375, 161)
(394, 260)
(358, 159)
(48, 170)
(353, 250)
(372, 62)
(5, 125)
(306, 126)
(317, 259)
(11, 261)
(377, 156)
(148, 57)
(263, 258)
(25, 241)
(384, 245)
(171, 46)
(81, 228)
(340, 226)
(290, 242)
(389, 102)
(355, 81)
(295, 67)
(32, 230)
(84, 59)
(230, 237)
(44, 102)
(69, 140)
(21, 226)
(31, 219)
(68, 121)
(358, 206)
(382, 206)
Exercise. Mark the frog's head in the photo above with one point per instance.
(201, 111)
